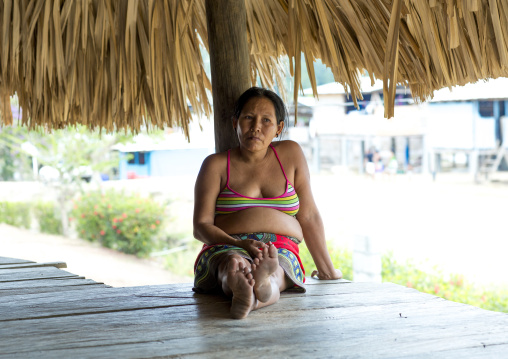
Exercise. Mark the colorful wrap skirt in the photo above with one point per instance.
(207, 262)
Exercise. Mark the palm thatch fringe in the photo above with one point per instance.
(126, 64)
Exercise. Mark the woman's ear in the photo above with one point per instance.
(280, 127)
(234, 120)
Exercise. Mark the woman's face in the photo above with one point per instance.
(257, 125)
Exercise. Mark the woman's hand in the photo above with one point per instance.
(336, 274)
(252, 246)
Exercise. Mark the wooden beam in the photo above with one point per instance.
(229, 64)
(34, 265)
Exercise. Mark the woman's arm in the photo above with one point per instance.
(206, 190)
(310, 220)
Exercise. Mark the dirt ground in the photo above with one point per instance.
(84, 258)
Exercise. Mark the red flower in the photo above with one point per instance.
(137, 210)
(115, 220)
(157, 221)
(95, 213)
(120, 219)
(109, 206)
(436, 288)
(103, 233)
(114, 227)
(71, 219)
(82, 215)
(153, 226)
(118, 231)
(124, 215)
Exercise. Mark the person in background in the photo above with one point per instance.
(369, 162)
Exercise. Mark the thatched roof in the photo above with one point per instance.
(117, 64)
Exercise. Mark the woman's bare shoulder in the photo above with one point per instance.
(215, 160)
(213, 173)
(286, 145)
(288, 149)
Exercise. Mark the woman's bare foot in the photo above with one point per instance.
(241, 282)
(262, 269)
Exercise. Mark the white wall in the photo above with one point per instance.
(177, 162)
(451, 125)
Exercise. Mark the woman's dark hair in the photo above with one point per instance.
(281, 112)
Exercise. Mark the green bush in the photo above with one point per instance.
(453, 287)
(341, 258)
(15, 214)
(117, 220)
(48, 216)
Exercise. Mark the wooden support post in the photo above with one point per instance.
(497, 122)
(366, 260)
(229, 63)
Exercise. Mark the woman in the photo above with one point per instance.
(249, 229)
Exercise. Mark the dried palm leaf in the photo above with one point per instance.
(115, 64)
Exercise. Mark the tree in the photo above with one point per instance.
(68, 158)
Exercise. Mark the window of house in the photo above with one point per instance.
(486, 108)
(137, 158)
(132, 159)
(361, 103)
(141, 158)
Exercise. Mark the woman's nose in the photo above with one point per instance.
(256, 124)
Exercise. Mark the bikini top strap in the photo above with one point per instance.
(229, 159)
(280, 163)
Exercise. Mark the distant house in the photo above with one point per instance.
(169, 155)
(343, 134)
(471, 122)
(468, 122)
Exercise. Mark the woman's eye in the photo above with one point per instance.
(267, 120)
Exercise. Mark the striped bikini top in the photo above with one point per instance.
(230, 201)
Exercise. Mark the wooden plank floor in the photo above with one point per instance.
(46, 312)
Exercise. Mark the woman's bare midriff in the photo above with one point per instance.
(259, 219)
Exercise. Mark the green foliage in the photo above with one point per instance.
(70, 154)
(75, 152)
(181, 262)
(121, 221)
(322, 73)
(341, 258)
(48, 216)
(14, 162)
(452, 287)
(15, 214)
